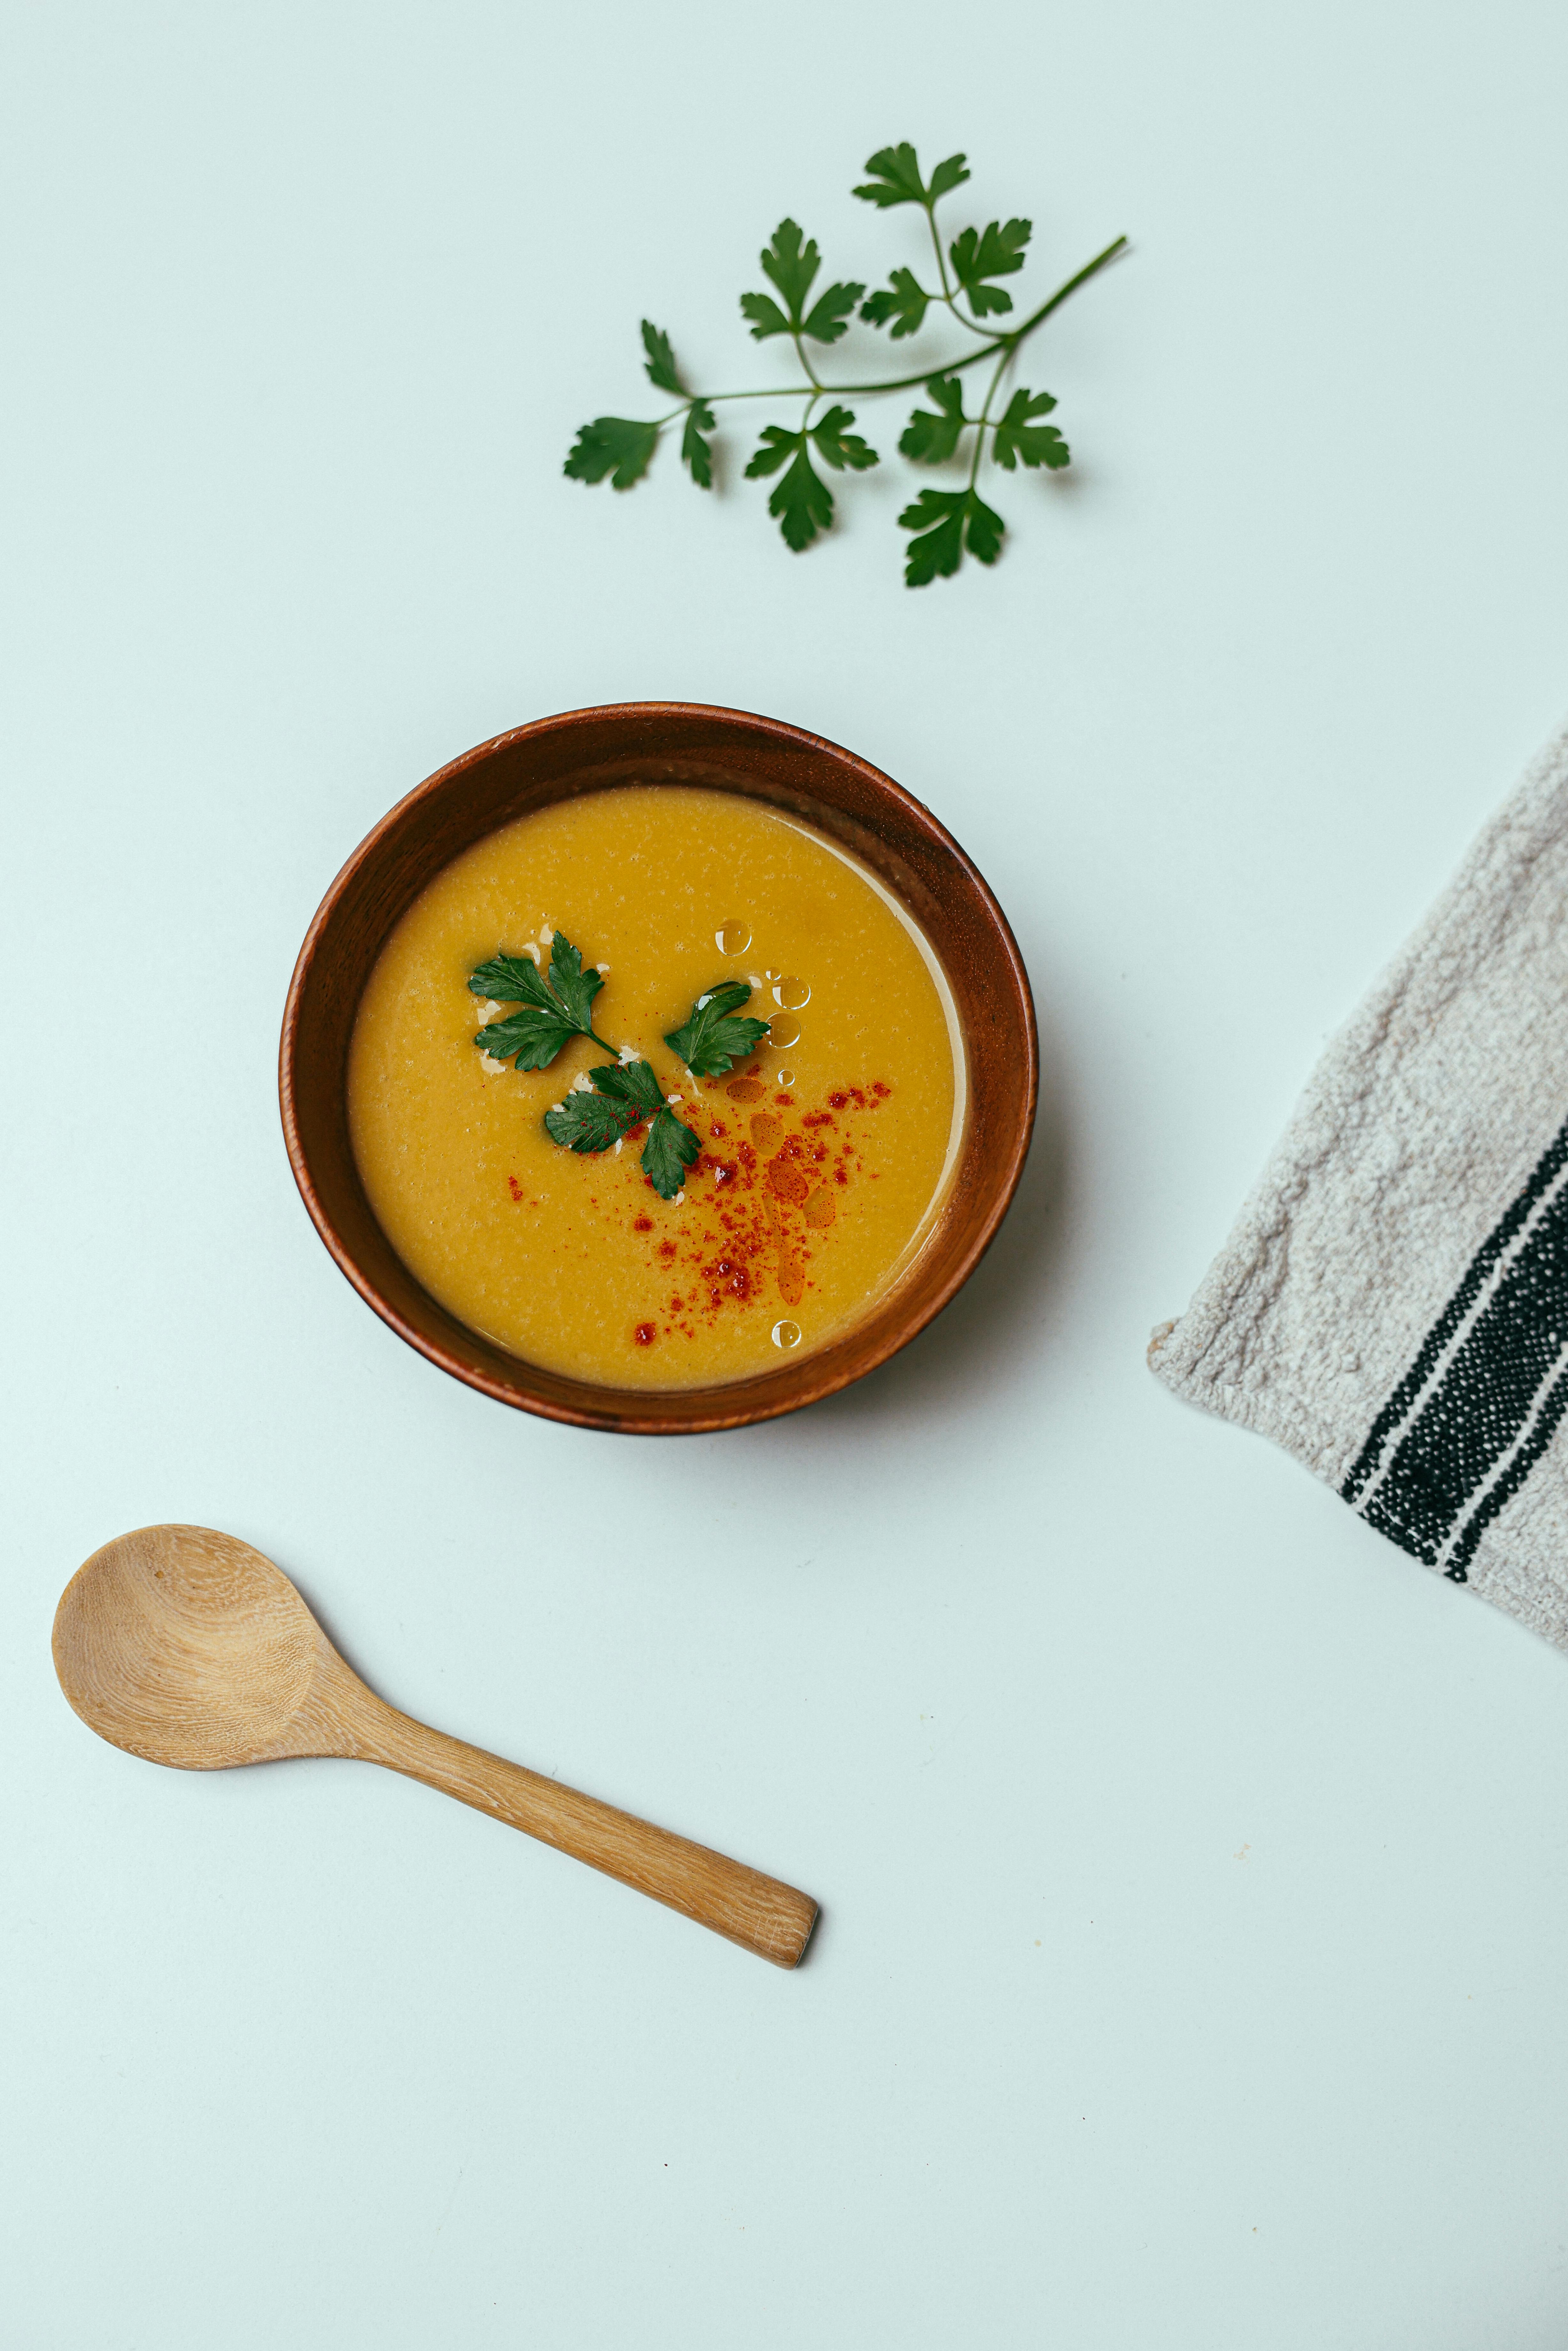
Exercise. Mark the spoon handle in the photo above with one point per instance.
(759, 1913)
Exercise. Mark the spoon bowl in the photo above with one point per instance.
(188, 1647)
(185, 1646)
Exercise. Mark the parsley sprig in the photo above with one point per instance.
(944, 524)
(712, 1041)
(550, 1011)
(626, 1095)
(552, 1007)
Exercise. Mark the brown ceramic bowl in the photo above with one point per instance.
(677, 743)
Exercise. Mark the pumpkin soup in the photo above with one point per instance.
(655, 1084)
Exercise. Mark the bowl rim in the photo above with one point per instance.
(832, 1375)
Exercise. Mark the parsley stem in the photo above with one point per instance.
(1118, 244)
(773, 391)
(983, 417)
(1007, 342)
(937, 241)
(805, 362)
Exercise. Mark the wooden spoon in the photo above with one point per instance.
(188, 1647)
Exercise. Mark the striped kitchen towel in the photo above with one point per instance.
(1392, 1306)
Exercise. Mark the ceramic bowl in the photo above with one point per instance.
(725, 751)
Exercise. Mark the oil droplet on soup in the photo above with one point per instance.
(805, 1201)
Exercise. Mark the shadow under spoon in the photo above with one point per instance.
(188, 1647)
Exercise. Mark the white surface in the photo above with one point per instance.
(1194, 1864)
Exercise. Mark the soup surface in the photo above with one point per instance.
(825, 1148)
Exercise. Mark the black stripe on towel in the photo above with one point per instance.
(1453, 1314)
(1483, 1404)
(1512, 1478)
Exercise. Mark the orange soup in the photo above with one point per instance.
(804, 1168)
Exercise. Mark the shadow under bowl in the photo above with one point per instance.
(583, 751)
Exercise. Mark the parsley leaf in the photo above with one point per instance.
(617, 442)
(576, 987)
(533, 1035)
(947, 176)
(550, 1012)
(529, 1037)
(766, 319)
(634, 1083)
(624, 1096)
(590, 1122)
(1019, 440)
(631, 1082)
(830, 314)
(906, 302)
(711, 1041)
(995, 252)
(670, 1150)
(897, 178)
(802, 503)
(793, 265)
(840, 448)
(512, 979)
(948, 520)
(929, 439)
(671, 1147)
(984, 532)
(661, 367)
(697, 452)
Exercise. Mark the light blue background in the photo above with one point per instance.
(1195, 1867)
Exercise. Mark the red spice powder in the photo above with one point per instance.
(741, 1240)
